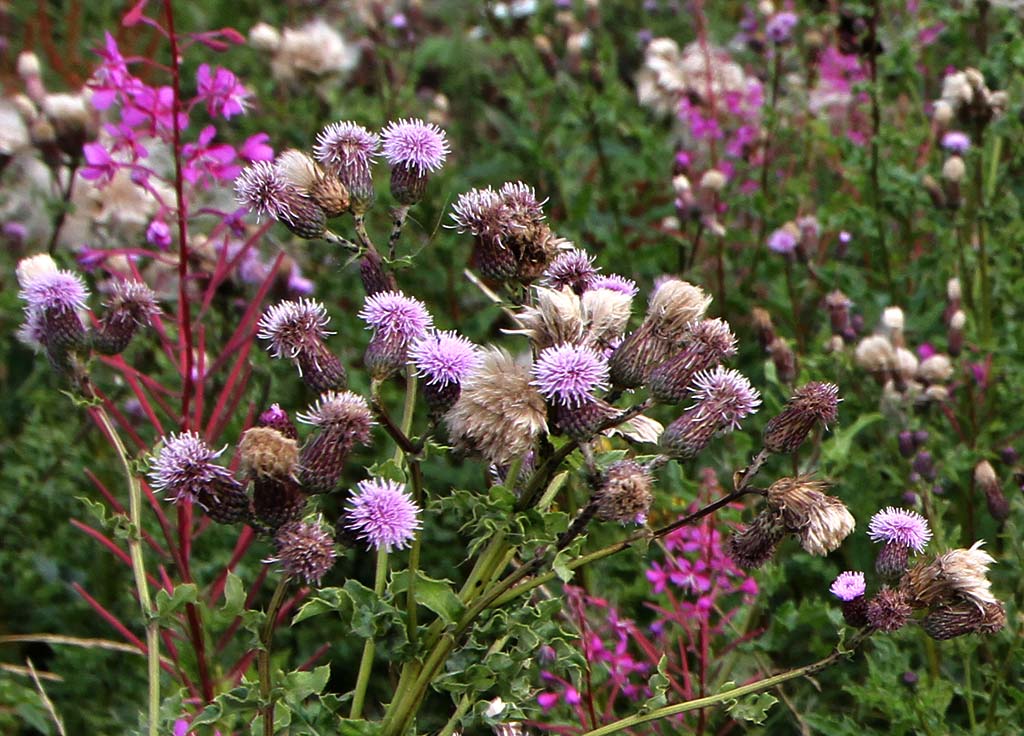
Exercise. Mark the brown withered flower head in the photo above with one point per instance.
(960, 574)
(888, 610)
(624, 494)
(753, 546)
(813, 403)
(821, 522)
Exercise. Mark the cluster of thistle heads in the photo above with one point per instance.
(304, 191)
(948, 595)
(59, 323)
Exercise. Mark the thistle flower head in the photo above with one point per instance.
(34, 267)
(263, 190)
(727, 394)
(342, 410)
(483, 213)
(396, 316)
(185, 467)
(298, 169)
(521, 199)
(614, 282)
(712, 336)
(888, 610)
(900, 526)
(785, 239)
(305, 550)
(810, 404)
(555, 317)
(58, 290)
(277, 418)
(848, 586)
(821, 521)
(266, 452)
(574, 268)
(135, 298)
(415, 144)
(569, 374)
(382, 514)
(346, 149)
(625, 493)
(956, 141)
(291, 326)
(444, 357)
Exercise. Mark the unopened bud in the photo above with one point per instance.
(986, 479)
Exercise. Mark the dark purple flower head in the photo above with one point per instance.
(784, 240)
(415, 144)
(396, 316)
(444, 357)
(382, 514)
(573, 268)
(726, 394)
(305, 550)
(291, 326)
(779, 27)
(135, 299)
(899, 526)
(956, 141)
(185, 467)
(614, 282)
(569, 374)
(57, 290)
(848, 585)
(483, 213)
(522, 200)
(346, 149)
(340, 409)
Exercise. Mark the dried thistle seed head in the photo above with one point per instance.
(888, 611)
(556, 317)
(624, 493)
(713, 180)
(606, 313)
(936, 368)
(499, 413)
(265, 452)
(298, 169)
(305, 549)
(875, 354)
(813, 403)
(820, 521)
(959, 573)
(960, 618)
(753, 546)
(674, 306)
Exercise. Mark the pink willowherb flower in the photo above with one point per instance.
(220, 89)
(256, 148)
(100, 165)
(111, 79)
(382, 514)
(202, 160)
(569, 374)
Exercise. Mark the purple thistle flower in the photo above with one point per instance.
(483, 213)
(382, 514)
(291, 326)
(396, 316)
(784, 240)
(569, 374)
(56, 289)
(185, 467)
(900, 526)
(522, 201)
(727, 393)
(32, 332)
(779, 27)
(346, 147)
(263, 190)
(340, 409)
(305, 550)
(956, 141)
(415, 144)
(614, 282)
(573, 268)
(444, 357)
(848, 586)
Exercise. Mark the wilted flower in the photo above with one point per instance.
(888, 610)
(957, 619)
(305, 550)
(302, 172)
(753, 546)
(820, 521)
(958, 574)
(723, 398)
(270, 458)
(184, 468)
(624, 493)
(382, 514)
(810, 404)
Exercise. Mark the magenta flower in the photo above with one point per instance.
(779, 27)
(159, 234)
(100, 166)
(569, 374)
(614, 282)
(956, 141)
(900, 526)
(52, 290)
(573, 268)
(783, 240)
(154, 109)
(848, 586)
(415, 145)
(256, 148)
(444, 358)
(299, 284)
(382, 514)
(727, 394)
(111, 78)
(203, 160)
(223, 93)
(125, 139)
(396, 316)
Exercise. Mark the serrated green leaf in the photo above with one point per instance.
(561, 567)
(300, 685)
(169, 604)
(435, 595)
(753, 708)
(388, 470)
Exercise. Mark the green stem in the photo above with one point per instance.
(719, 698)
(263, 658)
(370, 645)
(969, 687)
(416, 474)
(453, 722)
(139, 572)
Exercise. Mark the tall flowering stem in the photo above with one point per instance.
(263, 658)
(138, 571)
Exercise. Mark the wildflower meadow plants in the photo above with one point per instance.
(578, 369)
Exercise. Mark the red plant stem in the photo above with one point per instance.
(222, 401)
(224, 268)
(184, 319)
(165, 525)
(245, 540)
(235, 675)
(321, 651)
(236, 397)
(200, 370)
(110, 545)
(118, 417)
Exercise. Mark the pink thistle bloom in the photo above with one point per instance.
(779, 27)
(569, 374)
(900, 526)
(262, 190)
(185, 468)
(483, 213)
(574, 269)
(726, 393)
(415, 145)
(54, 290)
(291, 327)
(444, 358)
(256, 148)
(101, 166)
(783, 240)
(848, 586)
(347, 149)
(522, 201)
(956, 141)
(223, 93)
(382, 514)
(396, 316)
(614, 282)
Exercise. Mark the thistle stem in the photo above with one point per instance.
(370, 645)
(398, 216)
(263, 658)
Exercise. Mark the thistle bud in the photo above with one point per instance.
(986, 479)
(624, 494)
(811, 403)
(343, 420)
(955, 335)
(305, 550)
(277, 418)
(763, 327)
(752, 547)
(707, 342)
(784, 360)
(132, 304)
(375, 279)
